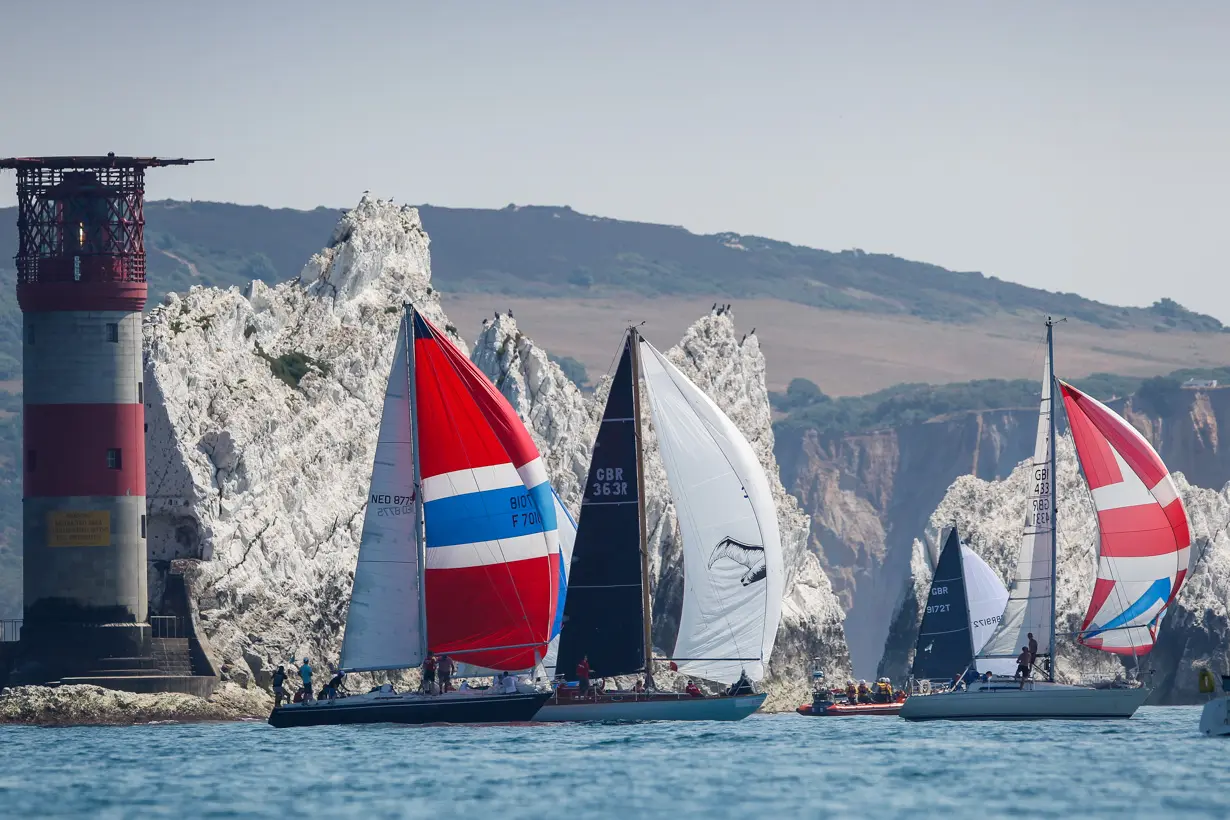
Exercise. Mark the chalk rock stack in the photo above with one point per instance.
(264, 409)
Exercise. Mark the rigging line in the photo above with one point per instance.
(734, 472)
(487, 570)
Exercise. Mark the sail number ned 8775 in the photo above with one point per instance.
(608, 481)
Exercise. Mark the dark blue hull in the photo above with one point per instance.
(411, 709)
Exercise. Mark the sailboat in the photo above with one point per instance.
(1144, 550)
(964, 606)
(460, 548)
(733, 578)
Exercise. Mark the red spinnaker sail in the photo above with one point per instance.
(1145, 537)
(492, 573)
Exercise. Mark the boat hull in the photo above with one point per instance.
(631, 707)
(1215, 718)
(411, 709)
(846, 710)
(1041, 702)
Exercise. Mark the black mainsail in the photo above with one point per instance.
(603, 613)
(945, 645)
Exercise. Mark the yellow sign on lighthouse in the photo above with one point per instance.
(79, 528)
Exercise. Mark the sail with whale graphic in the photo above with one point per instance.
(733, 577)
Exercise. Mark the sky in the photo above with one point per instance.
(1074, 146)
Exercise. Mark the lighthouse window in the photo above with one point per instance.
(115, 459)
(140, 392)
(142, 526)
(31, 460)
(113, 332)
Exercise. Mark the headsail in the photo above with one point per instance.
(383, 628)
(1029, 606)
(603, 616)
(1145, 536)
(492, 575)
(733, 578)
(987, 596)
(945, 646)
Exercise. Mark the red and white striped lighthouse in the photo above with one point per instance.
(81, 287)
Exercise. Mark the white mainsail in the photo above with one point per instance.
(1030, 604)
(733, 577)
(383, 629)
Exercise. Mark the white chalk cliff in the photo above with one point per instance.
(989, 515)
(263, 412)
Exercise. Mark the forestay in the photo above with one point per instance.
(733, 579)
(383, 629)
(1144, 532)
(1029, 607)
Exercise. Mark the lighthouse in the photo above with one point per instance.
(81, 289)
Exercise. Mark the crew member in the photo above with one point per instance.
(446, 667)
(429, 672)
(279, 686)
(1023, 663)
(583, 673)
(693, 690)
(743, 686)
(305, 674)
(1033, 649)
(864, 693)
(851, 693)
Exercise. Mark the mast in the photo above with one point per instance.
(646, 612)
(420, 540)
(1050, 357)
(969, 611)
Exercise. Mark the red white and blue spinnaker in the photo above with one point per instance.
(1145, 544)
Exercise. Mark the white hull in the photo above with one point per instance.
(1039, 701)
(1215, 719)
(682, 708)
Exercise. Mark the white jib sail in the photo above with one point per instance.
(733, 578)
(986, 596)
(1029, 597)
(382, 625)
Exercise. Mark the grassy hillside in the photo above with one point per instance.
(547, 252)
(804, 406)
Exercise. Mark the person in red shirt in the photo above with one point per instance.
(693, 690)
(583, 675)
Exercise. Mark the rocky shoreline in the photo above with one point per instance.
(96, 706)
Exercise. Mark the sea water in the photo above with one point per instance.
(766, 766)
